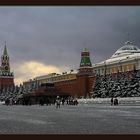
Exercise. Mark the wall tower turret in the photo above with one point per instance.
(85, 64)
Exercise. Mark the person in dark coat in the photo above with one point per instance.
(75, 102)
(58, 102)
(115, 101)
(111, 101)
(41, 102)
(63, 101)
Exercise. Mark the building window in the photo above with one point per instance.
(99, 71)
(112, 70)
(102, 71)
(108, 71)
(95, 71)
(128, 68)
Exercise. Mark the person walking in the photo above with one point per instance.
(111, 101)
(63, 101)
(57, 102)
(116, 101)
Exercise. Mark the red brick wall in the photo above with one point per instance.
(82, 82)
(68, 87)
(91, 83)
(6, 82)
(82, 86)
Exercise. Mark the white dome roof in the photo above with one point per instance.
(127, 49)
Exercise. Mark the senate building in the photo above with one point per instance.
(126, 58)
(119, 75)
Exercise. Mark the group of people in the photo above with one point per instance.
(43, 101)
(114, 101)
(68, 101)
(72, 102)
(10, 101)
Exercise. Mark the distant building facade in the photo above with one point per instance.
(125, 59)
(6, 77)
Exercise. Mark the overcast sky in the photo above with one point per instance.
(46, 39)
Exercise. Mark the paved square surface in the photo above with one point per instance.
(81, 119)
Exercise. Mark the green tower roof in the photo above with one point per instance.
(85, 59)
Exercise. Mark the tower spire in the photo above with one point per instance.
(5, 49)
(5, 60)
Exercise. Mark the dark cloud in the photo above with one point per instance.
(57, 35)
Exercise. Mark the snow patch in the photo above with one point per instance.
(107, 100)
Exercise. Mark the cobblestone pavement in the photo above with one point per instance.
(81, 119)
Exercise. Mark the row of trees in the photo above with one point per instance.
(118, 85)
(15, 92)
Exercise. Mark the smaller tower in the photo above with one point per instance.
(85, 64)
(84, 75)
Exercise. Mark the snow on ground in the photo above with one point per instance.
(68, 119)
(127, 100)
(1, 103)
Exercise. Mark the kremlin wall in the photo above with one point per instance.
(75, 84)
(117, 76)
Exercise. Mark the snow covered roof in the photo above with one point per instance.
(127, 49)
(127, 52)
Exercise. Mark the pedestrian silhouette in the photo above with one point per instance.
(115, 101)
(111, 101)
(57, 102)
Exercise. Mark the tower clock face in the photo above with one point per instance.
(6, 67)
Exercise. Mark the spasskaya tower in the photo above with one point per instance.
(6, 77)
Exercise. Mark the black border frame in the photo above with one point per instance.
(69, 3)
